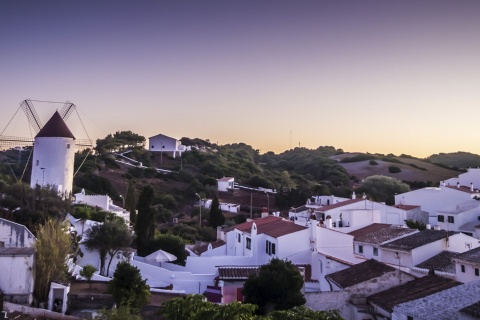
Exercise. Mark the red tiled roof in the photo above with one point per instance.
(411, 290)
(463, 189)
(338, 205)
(225, 179)
(55, 128)
(406, 207)
(359, 273)
(272, 226)
(382, 235)
(368, 229)
(203, 247)
(242, 273)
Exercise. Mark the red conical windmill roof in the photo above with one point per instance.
(55, 128)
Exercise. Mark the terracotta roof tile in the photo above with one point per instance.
(406, 207)
(382, 235)
(16, 251)
(203, 247)
(339, 204)
(368, 229)
(55, 128)
(272, 226)
(418, 239)
(441, 262)
(242, 273)
(463, 189)
(411, 290)
(359, 273)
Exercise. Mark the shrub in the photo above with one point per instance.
(394, 169)
(372, 162)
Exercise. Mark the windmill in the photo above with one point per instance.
(54, 147)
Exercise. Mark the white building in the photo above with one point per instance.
(460, 217)
(53, 156)
(15, 235)
(225, 184)
(467, 266)
(104, 202)
(471, 177)
(17, 274)
(163, 143)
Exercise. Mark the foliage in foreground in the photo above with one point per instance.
(122, 313)
(128, 288)
(195, 307)
(276, 287)
(52, 248)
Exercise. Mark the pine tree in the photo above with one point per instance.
(131, 203)
(145, 224)
(216, 216)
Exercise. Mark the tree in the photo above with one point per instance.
(195, 307)
(128, 288)
(87, 272)
(131, 203)
(276, 287)
(52, 249)
(122, 313)
(111, 237)
(415, 224)
(216, 216)
(145, 224)
(383, 188)
(304, 313)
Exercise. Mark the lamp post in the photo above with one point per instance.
(43, 173)
(268, 202)
(200, 202)
(123, 200)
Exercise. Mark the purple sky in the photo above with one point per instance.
(376, 76)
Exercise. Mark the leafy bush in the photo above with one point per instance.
(394, 169)
(372, 162)
(358, 158)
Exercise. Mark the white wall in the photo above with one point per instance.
(16, 277)
(162, 143)
(56, 156)
(471, 176)
(469, 274)
(15, 235)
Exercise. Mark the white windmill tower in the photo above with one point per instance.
(54, 155)
(54, 148)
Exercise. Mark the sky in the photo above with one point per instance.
(365, 76)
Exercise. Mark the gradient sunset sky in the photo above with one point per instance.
(377, 76)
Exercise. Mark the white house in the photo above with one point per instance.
(409, 251)
(456, 302)
(225, 184)
(15, 235)
(17, 274)
(460, 217)
(163, 143)
(472, 176)
(433, 200)
(367, 240)
(467, 266)
(104, 202)
(53, 156)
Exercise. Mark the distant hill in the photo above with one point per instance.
(460, 159)
(412, 169)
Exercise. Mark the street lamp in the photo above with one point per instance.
(268, 202)
(123, 200)
(200, 201)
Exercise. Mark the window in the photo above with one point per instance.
(270, 248)
(477, 273)
(409, 318)
(462, 268)
(38, 161)
(239, 237)
(451, 219)
(360, 249)
(68, 145)
(2, 244)
(375, 251)
(249, 243)
(440, 218)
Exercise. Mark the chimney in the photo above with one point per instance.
(437, 227)
(428, 226)
(458, 184)
(471, 186)
(354, 196)
(328, 222)
(264, 212)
